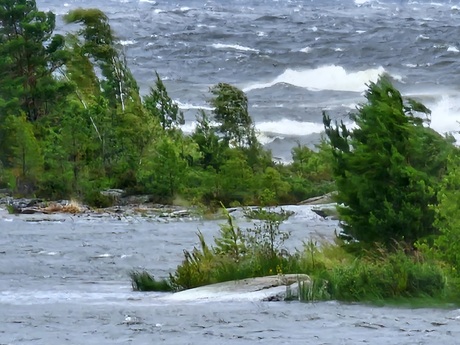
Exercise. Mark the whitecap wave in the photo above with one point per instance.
(452, 49)
(331, 77)
(188, 106)
(289, 127)
(233, 46)
(272, 130)
(362, 2)
(445, 114)
(267, 139)
(305, 50)
(127, 42)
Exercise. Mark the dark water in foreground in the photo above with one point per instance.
(66, 281)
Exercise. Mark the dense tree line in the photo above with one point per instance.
(72, 123)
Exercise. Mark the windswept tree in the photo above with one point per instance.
(99, 42)
(121, 126)
(231, 113)
(387, 169)
(29, 55)
(160, 106)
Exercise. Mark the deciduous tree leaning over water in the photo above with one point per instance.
(387, 169)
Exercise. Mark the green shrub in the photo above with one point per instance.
(390, 277)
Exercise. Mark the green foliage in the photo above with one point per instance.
(211, 148)
(446, 245)
(266, 239)
(236, 179)
(196, 268)
(386, 169)
(25, 153)
(231, 241)
(231, 113)
(164, 169)
(143, 281)
(237, 254)
(389, 277)
(118, 84)
(30, 54)
(160, 106)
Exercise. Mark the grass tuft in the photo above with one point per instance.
(144, 281)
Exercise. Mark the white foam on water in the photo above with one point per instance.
(452, 49)
(362, 2)
(233, 46)
(445, 114)
(265, 139)
(330, 77)
(306, 50)
(188, 106)
(103, 256)
(423, 37)
(149, 1)
(289, 127)
(127, 42)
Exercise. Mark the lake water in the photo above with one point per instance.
(64, 280)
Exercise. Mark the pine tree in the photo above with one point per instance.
(231, 113)
(160, 106)
(387, 168)
(29, 55)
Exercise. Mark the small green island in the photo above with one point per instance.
(73, 123)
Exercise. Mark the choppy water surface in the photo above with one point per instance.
(293, 58)
(65, 281)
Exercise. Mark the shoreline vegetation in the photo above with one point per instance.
(73, 125)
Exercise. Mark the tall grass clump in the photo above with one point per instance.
(144, 281)
(237, 253)
(376, 276)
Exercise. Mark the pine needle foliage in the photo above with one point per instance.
(387, 169)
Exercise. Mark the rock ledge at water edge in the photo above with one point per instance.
(269, 288)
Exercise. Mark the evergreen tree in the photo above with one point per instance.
(160, 106)
(119, 86)
(209, 144)
(26, 158)
(387, 168)
(231, 113)
(29, 55)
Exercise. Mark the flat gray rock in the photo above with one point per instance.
(269, 288)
